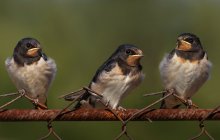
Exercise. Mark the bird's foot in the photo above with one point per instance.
(37, 104)
(120, 108)
(187, 102)
(22, 92)
(190, 105)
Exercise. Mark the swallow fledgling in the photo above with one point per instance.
(31, 70)
(116, 78)
(184, 70)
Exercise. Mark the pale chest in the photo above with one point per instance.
(185, 77)
(35, 78)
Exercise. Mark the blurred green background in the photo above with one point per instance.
(81, 34)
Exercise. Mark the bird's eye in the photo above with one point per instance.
(190, 40)
(28, 45)
(129, 52)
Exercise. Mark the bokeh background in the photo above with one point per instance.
(81, 34)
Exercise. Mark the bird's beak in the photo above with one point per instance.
(33, 52)
(134, 60)
(183, 45)
(138, 55)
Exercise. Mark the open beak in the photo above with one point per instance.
(183, 45)
(33, 52)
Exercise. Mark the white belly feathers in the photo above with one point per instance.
(114, 86)
(185, 77)
(35, 78)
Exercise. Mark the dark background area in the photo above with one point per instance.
(81, 34)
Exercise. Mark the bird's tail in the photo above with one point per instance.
(77, 96)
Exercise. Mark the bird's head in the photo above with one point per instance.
(28, 51)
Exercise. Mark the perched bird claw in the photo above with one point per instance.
(21, 92)
(120, 108)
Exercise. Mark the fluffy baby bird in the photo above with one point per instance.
(185, 69)
(116, 78)
(31, 70)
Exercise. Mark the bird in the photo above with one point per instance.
(31, 70)
(114, 79)
(185, 69)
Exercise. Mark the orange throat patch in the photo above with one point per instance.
(184, 46)
(134, 60)
(33, 52)
(183, 60)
